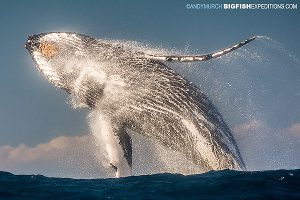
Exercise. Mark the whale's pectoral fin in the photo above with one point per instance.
(194, 58)
(117, 143)
(121, 162)
(126, 144)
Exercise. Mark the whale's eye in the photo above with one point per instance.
(49, 50)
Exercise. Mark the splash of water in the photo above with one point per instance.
(150, 157)
(274, 44)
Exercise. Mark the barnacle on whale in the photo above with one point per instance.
(48, 49)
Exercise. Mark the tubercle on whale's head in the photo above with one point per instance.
(57, 55)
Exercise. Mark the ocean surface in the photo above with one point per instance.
(226, 184)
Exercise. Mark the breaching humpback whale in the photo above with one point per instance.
(128, 89)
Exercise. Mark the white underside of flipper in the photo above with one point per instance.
(105, 132)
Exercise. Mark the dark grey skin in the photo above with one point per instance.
(129, 89)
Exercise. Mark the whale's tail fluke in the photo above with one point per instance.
(204, 57)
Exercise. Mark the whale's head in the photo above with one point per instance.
(76, 63)
(58, 56)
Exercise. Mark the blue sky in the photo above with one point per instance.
(264, 93)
